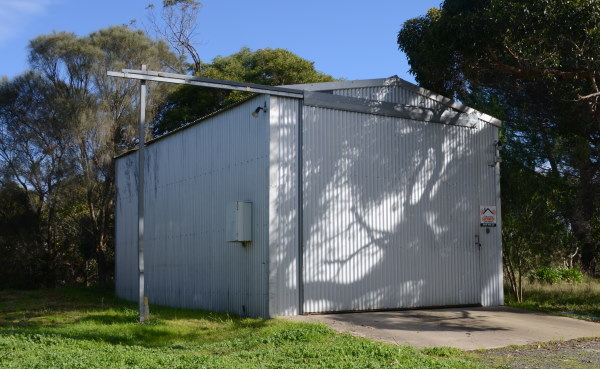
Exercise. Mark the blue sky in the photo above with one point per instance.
(348, 39)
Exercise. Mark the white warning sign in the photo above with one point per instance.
(487, 216)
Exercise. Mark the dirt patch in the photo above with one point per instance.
(568, 354)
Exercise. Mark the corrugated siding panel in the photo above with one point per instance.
(392, 94)
(283, 205)
(126, 231)
(489, 193)
(391, 211)
(190, 178)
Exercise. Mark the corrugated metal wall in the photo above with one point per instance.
(391, 210)
(392, 93)
(489, 180)
(126, 227)
(283, 205)
(190, 177)
(492, 292)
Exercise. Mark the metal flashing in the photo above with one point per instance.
(443, 116)
(300, 211)
(396, 81)
(340, 85)
(189, 125)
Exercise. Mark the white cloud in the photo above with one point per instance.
(15, 14)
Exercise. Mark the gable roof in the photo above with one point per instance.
(320, 94)
(395, 81)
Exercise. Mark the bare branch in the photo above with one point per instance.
(595, 94)
(178, 28)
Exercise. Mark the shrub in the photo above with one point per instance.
(546, 275)
(571, 275)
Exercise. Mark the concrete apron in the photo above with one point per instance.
(463, 328)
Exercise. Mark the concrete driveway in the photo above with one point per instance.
(464, 328)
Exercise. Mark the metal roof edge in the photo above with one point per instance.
(396, 81)
(340, 85)
(447, 101)
(190, 124)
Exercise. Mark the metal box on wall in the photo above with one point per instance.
(238, 227)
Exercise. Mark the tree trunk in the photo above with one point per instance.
(50, 250)
(520, 289)
(101, 261)
(514, 276)
(582, 217)
(588, 258)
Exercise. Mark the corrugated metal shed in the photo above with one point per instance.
(392, 178)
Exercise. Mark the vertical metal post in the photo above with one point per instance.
(142, 143)
(498, 229)
(300, 212)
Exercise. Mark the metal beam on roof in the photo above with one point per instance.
(206, 82)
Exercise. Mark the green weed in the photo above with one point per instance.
(547, 275)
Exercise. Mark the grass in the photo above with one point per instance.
(88, 328)
(575, 298)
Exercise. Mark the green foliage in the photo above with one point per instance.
(442, 351)
(571, 275)
(267, 66)
(549, 275)
(546, 275)
(533, 232)
(167, 3)
(83, 328)
(273, 67)
(18, 238)
(467, 39)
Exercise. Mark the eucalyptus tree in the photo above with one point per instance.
(538, 64)
(36, 153)
(176, 24)
(67, 101)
